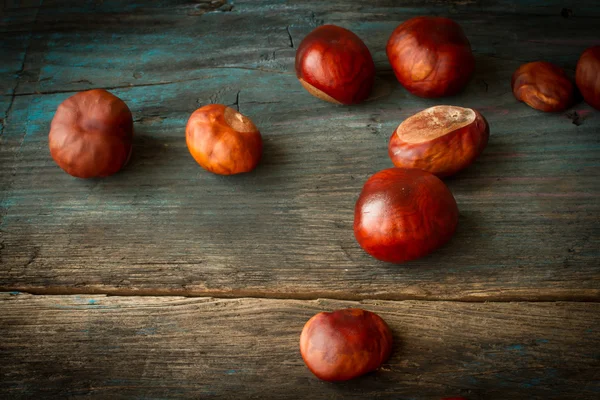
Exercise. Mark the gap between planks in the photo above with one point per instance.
(534, 296)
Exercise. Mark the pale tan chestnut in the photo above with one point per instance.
(442, 140)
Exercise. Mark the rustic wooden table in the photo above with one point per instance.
(165, 281)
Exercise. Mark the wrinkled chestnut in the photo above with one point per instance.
(441, 139)
(222, 140)
(587, 76)
(345, 344)
(403, 214)
(334, 65)
(91, 134)
(431, 56)
(543, 86)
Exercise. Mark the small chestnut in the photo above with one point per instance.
(543, 86)
(587, 76)
(441, 139)
(334, 65)
(222, 140)
(345, 344)
(431, 56)
(403, 214)
(91, 134)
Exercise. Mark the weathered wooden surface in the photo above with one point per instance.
(529, 206)
(529, 225)
(173, 347)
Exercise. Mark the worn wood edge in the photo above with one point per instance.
(503, 296)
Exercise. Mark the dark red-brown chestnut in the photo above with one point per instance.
(91, 134)
(345, 344)
(403, 214)
(587, 76)
(442, 140)
(334, 64)
(543, 86)
(431, 56)
(222, 140)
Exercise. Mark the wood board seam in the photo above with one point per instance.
(586, 296)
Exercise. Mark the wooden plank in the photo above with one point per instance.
(171, 347)
(105, 44)
(529, 206)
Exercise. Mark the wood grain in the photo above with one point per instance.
(172, 347)
(529, 207)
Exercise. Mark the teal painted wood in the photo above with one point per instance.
(529, 206)
(169, 347)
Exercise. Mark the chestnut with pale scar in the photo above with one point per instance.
(222, 140)
(442, 140)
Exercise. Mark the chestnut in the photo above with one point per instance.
(91, 134)
(222, 140)
(403, 214)
(441, 139)
(587, 76)
(543, 86)
(431, 56)
(334, 65)
(345, 344)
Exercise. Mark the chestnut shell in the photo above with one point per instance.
(403, 214)
(91, 134)
(222, 140)
(587, 76)
(543, 86)
(442, 155)
(345, 344)
(431, 56)
(335, 65)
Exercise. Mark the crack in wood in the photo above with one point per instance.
(131, 85)
(237, 101)
(582, 296)
(287, 28)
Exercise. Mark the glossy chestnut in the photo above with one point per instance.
(543, 86)
(222, 140)
(442, 140)
(431, 56)
(587, 76)
(334, 64)
(403, 214)
(345, 344)
(91, 134)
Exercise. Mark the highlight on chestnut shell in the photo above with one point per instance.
(587, 76)
(334, 64)
(345, 344)
(543, 86)
(404, 214)
(431, 56)
(222, 140)
(91, 134)
(441, 139)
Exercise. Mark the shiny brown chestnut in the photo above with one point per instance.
(345, 344)
(442, 140)
(543, 86)
(222, 140)
(91, 134)
(431, 56)
(333, 64)
(403, 214)
(587, 76)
